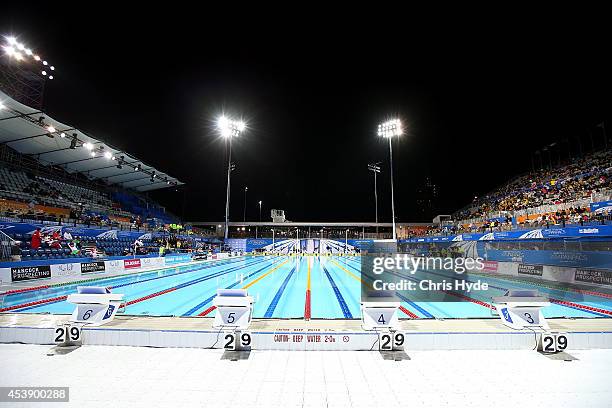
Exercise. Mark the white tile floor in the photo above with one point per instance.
(101, 376)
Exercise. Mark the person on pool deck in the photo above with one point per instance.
(35, 242)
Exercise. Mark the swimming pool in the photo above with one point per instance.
(325, 287)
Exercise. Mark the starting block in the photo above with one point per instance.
(382, 318)
(520, 309)
(95, 305)
(379, 315)
(234, 309)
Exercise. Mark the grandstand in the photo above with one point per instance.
(60, 179)
(545, 192)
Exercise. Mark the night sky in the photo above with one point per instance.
(476, 102)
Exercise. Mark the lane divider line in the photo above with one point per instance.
(277, 296)
(307, 303)
(210, 299)
(34, 304)
(345, 309)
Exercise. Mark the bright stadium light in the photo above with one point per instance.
(108, 155)
(62, 135)
(229, 129)
(50, 129)
(2, 106)
(88, 146)
(93, 154)
(21, 52)
(389, 129)
(9, 50)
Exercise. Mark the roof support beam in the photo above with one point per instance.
(35, 136)
(21, 115)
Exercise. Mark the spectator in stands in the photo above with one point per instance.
(36, 239)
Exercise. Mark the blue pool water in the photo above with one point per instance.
(279, 286)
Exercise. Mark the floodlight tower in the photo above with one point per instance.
(389, 129)
(23, 72)
(375, 168)
(229, 129)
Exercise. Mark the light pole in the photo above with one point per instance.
(259, 210)
(389, 129)
(229, 129)
(375, 168)
(244, 215)
(346, 241)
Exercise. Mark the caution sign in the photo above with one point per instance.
(30, 272)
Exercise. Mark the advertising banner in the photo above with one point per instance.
(535, 270)
(30, 272)
(92, 267)
(593, 276)
(70, 269)
(131, 263)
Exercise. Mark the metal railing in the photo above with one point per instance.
(6, 247)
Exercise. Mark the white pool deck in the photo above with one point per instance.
(104, 376)
(298, 334)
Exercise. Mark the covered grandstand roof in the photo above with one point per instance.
(34, 133)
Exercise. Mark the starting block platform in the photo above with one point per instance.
(300, 335)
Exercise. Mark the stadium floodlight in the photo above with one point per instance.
(21, 52)
(88, 146)
(93, 154)
(229, 129)
(387, 130)
(50, 129)
(108, 155)
(62, 135)
(2, 106)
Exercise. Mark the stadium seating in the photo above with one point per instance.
(575, 182)
(43, 198)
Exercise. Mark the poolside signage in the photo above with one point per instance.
(593, 276)
(30, 272)
(90, 267)
(131, 263)
(535, 270)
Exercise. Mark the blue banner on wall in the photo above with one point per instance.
(601, 206)
(176, 258)
(599, 231)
